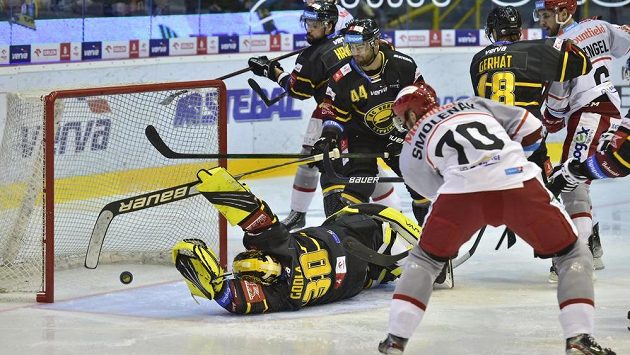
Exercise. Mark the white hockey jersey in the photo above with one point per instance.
(602, 42)
(468, 146)
(344, 18)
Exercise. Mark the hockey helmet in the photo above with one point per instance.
(417, 98)
(505, 21)
(256, 266)
(625, 70)
(320, 11)
(555, 6)
(360, 31)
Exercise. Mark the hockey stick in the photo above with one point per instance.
(457, 262)
(363, 252)
(174, 95)
(338, 179)
(158, 143)
(511, 238)
(257, 89)
(152, 199)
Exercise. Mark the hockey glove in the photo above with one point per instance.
(329, 138)
(262, 66)
(234, 201)
(394, 146)
(566, 177)
(604, 140)
(552, 123)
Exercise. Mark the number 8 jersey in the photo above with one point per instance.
(513, 73)
(469, 146)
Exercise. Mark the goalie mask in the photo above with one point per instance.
(256, 266)
(505, 21)
(418, 99)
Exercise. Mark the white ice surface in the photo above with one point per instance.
(501, 304)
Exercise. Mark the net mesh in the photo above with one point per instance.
(102, 155)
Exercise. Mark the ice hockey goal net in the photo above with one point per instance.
(64, 156)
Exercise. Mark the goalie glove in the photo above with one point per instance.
(262, 66)
(234, 200)
(566, 177)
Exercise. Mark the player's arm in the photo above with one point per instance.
(307, 76)
(571, 62)
(234, 200)
(619, 40)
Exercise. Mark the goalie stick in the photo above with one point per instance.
(261, 93)
(363, 252)
(152, 199)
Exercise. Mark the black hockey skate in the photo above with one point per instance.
(595, 245)
(392, 345)
(295, 220)
(584, 344)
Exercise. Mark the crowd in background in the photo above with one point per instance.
(426, 17)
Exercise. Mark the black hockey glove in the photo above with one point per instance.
(328, 139)
(262, 66)
(566, 177)
(394, 146)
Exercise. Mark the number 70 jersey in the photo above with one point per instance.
(513, 73)
(469, 146)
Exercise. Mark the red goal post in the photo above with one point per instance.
(90, 150)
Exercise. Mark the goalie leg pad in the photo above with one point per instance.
(234, 200)
(199, 266)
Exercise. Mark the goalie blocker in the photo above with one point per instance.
(314, 268)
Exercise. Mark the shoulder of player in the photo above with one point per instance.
(398, 57)
(344, 74)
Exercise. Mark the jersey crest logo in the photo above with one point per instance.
(379, 118)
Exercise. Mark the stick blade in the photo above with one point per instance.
(98, 237)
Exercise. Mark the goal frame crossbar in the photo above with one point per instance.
(46, 294)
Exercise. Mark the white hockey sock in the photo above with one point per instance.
(404, 318)
(389, 198)
(584, 227)
(577, 319)
(300, 199)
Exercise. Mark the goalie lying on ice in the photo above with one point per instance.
(283, 271)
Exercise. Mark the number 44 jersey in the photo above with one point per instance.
(514, 73)
(469, 146)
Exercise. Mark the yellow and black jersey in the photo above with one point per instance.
(362, 101)
(314, 66)
(317, 269)
(515, 73)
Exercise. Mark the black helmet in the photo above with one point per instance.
(321, 11)
(361, 30)
(505, 20)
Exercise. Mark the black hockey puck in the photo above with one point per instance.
(126, 277)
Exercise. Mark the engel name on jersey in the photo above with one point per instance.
(602, 43)
(468, 146)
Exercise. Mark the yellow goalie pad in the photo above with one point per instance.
(199, 266)
(222, 190)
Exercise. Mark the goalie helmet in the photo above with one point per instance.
(506, 21)
(321, 11)
(555, 6)
(417, 98)
(256, 266)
